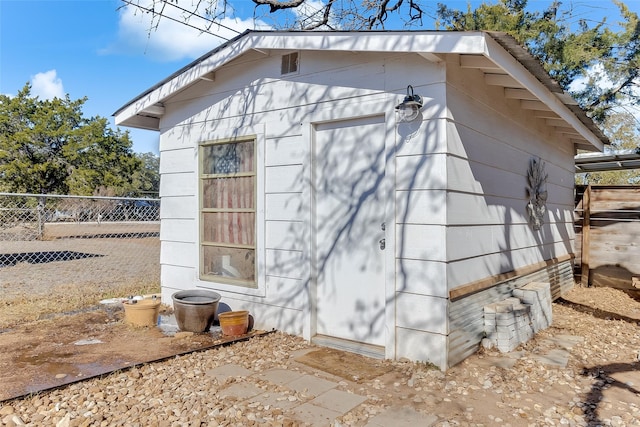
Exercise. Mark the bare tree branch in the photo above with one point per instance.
(275, 5)
(383, 10)
(325, 18)
(331, 14)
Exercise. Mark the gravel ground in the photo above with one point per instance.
(600, 384)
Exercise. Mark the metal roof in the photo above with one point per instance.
(615, 161)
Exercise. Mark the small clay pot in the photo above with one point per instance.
(142, 312)
(234, 323)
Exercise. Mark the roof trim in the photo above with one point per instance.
(142, 111)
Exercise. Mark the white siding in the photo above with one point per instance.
(432, 310)
(178, 207)
(175, 278)
(423, 242)
(484, 266)
(421, 172)
(179, 230)
(421, 212)
(459, 173)
(183, 184)
(491, 141)
(176, 161)
(284, 179)
(420, 345)
(285, 151)
(178, 254)
(422, 277)
(421, 206)
(287, 235)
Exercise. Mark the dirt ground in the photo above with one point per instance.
(69, 348)
(598, 383)
(75, 266)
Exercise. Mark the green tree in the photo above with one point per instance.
(146, 180)
(49, 147)
(604, 60)
(598, 65)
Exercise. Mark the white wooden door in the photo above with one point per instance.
(349, 215)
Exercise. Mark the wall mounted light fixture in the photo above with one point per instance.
(410, 107)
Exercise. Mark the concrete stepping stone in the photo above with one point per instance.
(338, 400)
(566, 341)
(402, 417)
(557, 358)
(315, 415)
(275, 400)
(222, 373)
(279, 376)
(310, 385)
(240, 391)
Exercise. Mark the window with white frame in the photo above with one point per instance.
(228, 212)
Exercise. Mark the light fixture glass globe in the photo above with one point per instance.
(409, 108)
(408, 112)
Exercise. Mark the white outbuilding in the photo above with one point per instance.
(371, 191)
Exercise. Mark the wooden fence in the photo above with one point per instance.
(607, 226)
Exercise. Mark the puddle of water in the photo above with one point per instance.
(50, 363)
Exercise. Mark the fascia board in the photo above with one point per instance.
(427, 42)
(523, 76)
(182, 80)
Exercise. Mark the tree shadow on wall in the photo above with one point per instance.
(288, 208)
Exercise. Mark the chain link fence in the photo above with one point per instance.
(52, 245)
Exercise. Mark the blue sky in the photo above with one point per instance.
(91, 48)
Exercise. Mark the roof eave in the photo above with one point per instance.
(528, 71)
(499, 47)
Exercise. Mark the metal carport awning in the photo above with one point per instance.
(602, 162)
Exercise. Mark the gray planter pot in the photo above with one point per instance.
(195, 309)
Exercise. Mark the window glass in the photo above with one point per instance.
(229, 227)
(228, 158)
(229, 263)
(227, 215)
(228, 192)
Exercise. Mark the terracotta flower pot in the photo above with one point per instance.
(234, 323)
(142, 312)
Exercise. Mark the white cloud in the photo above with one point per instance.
(172, 40)
(47, 85)
(597, 76)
